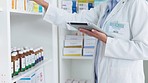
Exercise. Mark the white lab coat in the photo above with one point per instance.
(121, 58)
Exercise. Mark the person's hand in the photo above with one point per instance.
(99, 35)
(43, 3)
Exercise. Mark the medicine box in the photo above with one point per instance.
(82, 7)
(72, 51)
(89, 43)
(73, 37)
(88, 51)
(67, 6)
(73, 43)
(36, 77)
(28, 79)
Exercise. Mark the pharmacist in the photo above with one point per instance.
(119, 59)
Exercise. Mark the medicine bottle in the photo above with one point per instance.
(38, 55)
(29, 58)
(12, 66)
(42, 54)
(32, 57)
(15, 63)
(14, 49)
(24, 54)
(18, 57)
(35, 54)
(22, 61)
(26, 58)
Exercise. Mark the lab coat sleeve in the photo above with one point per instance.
(59, 16)
(137, 47)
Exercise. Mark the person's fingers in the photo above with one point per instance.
(90, 33)
(86, 31)
(96, 32)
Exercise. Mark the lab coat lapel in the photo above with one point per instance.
(115, 10)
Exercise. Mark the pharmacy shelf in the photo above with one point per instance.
(78, 57)
(25, 12)
(31, 70)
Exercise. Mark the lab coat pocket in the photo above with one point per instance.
(119, 75)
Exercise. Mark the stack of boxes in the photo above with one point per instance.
(79, 45)
(25, 5)
(73, 45)
(89, 46)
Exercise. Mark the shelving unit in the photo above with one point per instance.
(32, 70)
(19, 29)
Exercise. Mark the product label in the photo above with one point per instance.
(37, 56)
(33, 58)
(30, 59)
(26, 60)
(42, 53)
(16, 65)
(23, 63)
(11, 67)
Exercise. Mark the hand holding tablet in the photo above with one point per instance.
(85, 25)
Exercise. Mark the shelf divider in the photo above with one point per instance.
(31, 70)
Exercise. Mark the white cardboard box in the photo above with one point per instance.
(89, 43)
(73, 37)
(88, 51)
(72, 51)
(73, 43)
(28, 79)
(67, 6)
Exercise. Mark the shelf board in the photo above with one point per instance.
(78, 57)
(31, 70)
(24, 12)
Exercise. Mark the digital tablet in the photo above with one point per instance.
(88, 26)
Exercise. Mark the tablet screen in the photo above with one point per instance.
(78, 23)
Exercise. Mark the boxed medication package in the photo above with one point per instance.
(89, 43)
(73, 43)
(72, 51)
(28, 79)
(88, 51)
(73, 37)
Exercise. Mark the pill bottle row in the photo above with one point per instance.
(24, 58)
